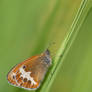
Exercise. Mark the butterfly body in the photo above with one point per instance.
(31, 72)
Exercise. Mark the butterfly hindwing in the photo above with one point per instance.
(30, 73)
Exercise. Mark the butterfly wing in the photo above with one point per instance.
(29, 73)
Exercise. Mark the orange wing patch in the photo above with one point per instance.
(21, 78)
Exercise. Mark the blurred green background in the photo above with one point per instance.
(26, 29)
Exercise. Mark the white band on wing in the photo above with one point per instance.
(25, 74)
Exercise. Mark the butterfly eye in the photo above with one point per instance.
(24, 67)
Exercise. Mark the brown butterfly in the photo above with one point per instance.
(30, 73)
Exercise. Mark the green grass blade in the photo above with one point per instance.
(82, 12)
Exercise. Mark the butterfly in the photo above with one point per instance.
(30, 73)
